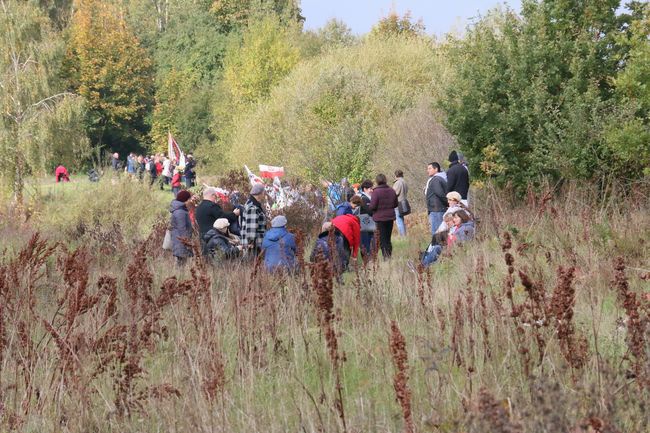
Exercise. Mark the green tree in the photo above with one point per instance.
(334, 115)
(333, 34)
(535, 92)
(107, 66)
(395, 25)
(629, 140)
(235, 14)
(266, 55)
(39, 125)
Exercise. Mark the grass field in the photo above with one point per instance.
(542, 324)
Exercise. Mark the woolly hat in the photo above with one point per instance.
(453, 156)
(279, 221)
(257, 189)
(453, 195)
(221, 223)
(184, 196)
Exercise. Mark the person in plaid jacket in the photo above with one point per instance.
(254, 221)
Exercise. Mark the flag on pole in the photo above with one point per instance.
(269, 171)
(280, 196)
(252, 177)
(174, 151)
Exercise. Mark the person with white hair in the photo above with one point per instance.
(208, 211)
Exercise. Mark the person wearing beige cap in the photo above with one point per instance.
(455, 204)
(220, 243)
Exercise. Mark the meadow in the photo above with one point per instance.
(542, 324)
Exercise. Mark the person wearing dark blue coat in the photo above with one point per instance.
(180, 226)
(279, 246)
(323, 248)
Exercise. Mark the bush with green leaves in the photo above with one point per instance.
(535, 93)
(329, 118)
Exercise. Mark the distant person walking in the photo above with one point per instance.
(382, 206)
(176, 180)
(401, 189)
(131, 164)
(435, 193)
(115, 161)
(153, 170)
(458, 177)
(190, 174)
(166, 171)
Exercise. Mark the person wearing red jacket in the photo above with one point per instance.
(61, 174)
(176, 180)
(350, 228)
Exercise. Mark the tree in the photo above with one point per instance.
(107, 66)
(535, 92)
(394, 25)
(266, 55)
(38, 125)
(235, 14)
(629, 140)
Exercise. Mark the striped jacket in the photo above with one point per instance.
(253, 224)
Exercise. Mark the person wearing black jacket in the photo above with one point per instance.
(457, 177)
(190, 175)
(435, 193)
(208, 211)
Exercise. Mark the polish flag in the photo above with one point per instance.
(252, 177)
(269, 171)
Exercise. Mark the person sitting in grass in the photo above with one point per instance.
(220, 243)
(459, 228)
(279, 247)
(462, 229)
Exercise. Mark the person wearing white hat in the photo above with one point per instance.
(220, 243)
(279, 247)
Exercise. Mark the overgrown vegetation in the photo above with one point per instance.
(556, 91)
(543, 323)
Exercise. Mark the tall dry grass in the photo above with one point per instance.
(541, 324)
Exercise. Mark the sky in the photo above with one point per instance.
(439, 16)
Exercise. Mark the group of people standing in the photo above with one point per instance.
(158, 169)
(357, 214)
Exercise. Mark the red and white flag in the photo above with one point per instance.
(174, 151)
(252, 177)
(269, 171)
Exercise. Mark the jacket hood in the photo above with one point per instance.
(175, 205)
(212, 233)
(275, 234)
(343, 208)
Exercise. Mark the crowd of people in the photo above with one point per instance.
(359, 217)
(158, 169)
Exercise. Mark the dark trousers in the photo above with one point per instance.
(366, 243)
(385, 231)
